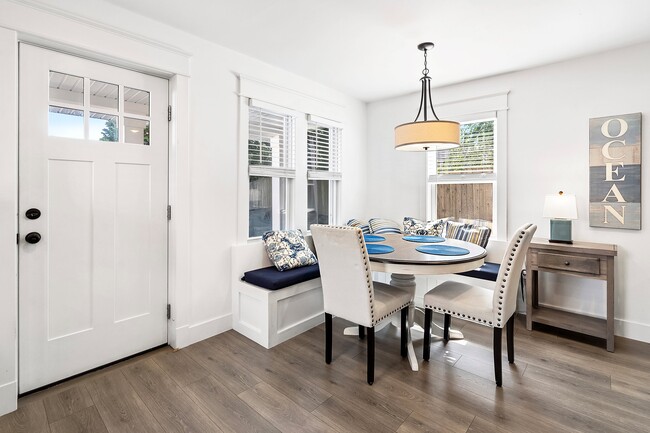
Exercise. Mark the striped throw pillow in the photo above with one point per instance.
(381, 225)
(363, 225)
(475, 235)
(453, 229)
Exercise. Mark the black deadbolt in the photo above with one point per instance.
(33, 238)
(33, 214)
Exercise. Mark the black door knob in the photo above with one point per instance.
(33, 238)
(33, 214)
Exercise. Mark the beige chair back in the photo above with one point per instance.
(345, 273)
(507, 284)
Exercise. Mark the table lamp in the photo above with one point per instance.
(561, 208)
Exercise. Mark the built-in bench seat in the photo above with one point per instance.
(272, 279)
(269, 306)
(488, 271)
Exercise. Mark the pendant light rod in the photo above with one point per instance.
(425, 95)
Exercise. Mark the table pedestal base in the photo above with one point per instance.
(416, 319)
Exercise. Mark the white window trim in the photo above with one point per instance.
(303, 107)
(493, 106)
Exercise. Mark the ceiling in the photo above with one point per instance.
(368, 48)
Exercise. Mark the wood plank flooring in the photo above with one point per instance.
(230, 384)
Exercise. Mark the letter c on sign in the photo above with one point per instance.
(605, 128)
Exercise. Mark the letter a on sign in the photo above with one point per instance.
(615, 171)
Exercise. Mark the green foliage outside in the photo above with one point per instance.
(110, 133)
(259, 153)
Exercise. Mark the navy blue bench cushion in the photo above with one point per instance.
(272, 279)
(489, 271)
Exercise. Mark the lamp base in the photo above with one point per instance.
(561, 231)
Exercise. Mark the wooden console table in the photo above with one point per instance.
(581, 259)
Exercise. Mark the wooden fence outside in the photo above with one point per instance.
(472, 201)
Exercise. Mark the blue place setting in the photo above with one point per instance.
(379, 249)
(426, 239)
(373, 238)
(442, 250)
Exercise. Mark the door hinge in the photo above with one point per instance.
(169, 311)
(169, 113)
(169, 212)
(17, 238)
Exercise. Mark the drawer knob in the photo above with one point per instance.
(567, 263)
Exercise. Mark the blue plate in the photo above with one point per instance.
(373, 238)
(442, 250)
(424, 239)
(379, 249)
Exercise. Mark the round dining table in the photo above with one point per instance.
(405, 262)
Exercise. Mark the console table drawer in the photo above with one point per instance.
(568, 263)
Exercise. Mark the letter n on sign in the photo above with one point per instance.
(615, 171)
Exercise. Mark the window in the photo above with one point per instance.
(323, 172)
(79, 101)
(271, 170)
(463, 180)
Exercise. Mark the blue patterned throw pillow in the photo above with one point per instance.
(287, 249)
(413, 226)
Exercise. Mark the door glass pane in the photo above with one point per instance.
(66, 89)
(103, 127)
(65, 122)
(318, 202)
(136, 101)
(103, 95)
(267, 204)
(136, 131)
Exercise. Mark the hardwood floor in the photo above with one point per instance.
(230, 384)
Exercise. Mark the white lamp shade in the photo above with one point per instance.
(427, 135)
(560, 206)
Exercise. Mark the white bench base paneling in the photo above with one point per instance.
(270, 317)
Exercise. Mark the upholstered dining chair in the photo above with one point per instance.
(349, 291)
(492, 308)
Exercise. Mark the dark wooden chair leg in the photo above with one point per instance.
(371, 355)
(497, 355)
(362, 332)
(328, 338)
(426, 346)
(404, 332)
(447, 324)
(510, 334)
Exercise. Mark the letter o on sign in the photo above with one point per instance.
(605, 128)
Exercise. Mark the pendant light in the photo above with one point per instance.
(424, 135)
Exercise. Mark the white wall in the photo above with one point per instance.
(203, 304)
(549, 111)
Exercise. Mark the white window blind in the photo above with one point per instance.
(271, 137)
(474, 156)
(323, 151)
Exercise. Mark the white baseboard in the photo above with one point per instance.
(632, 330)
(190, 334)
(8, 397)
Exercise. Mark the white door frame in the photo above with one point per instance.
(173, 66)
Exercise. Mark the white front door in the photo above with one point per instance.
(92, 215)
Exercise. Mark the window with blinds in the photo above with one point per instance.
(271, 168)
(323, 151)
(474, 156)
(463, 179)
(271, 150)
(323, 172)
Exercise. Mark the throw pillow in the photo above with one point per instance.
(453, 229)
(476, 235)
(413, 226)
(287, 249)
(381, 225)
(363, 225)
